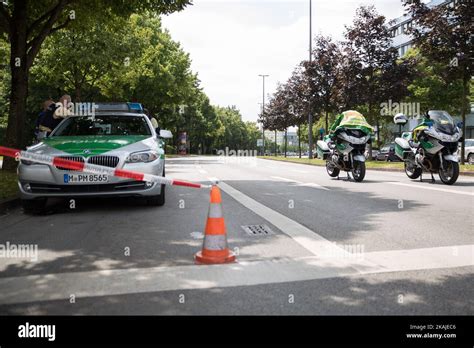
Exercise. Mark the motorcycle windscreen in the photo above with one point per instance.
(442, 122)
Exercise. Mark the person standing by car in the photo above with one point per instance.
(55, 114)
(63, 108)
(153, 120)
(48, 106)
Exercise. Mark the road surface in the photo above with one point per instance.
(388, 245)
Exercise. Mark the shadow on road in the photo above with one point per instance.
(409, 293)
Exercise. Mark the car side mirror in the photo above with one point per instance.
(165, 134)
(459, 125)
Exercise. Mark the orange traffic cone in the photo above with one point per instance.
(215, 249)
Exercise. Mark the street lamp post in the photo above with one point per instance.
(310, 116)
(263, 112)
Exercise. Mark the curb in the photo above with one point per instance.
(374, 169)
(9, 203)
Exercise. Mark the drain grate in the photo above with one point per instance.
(258, 230)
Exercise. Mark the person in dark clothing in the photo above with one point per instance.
(55, 114)
(48, 107)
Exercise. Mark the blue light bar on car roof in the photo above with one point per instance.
(135, 107)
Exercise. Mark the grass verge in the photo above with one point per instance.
(466, 168)
(8, 184)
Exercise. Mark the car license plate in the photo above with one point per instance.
(85, 178)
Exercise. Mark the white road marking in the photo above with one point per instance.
(312, 184)
(283, 179)
(300, 171)
(201, 170)
(49, 287)
(433, 188)
(299, 183)
(308, 239)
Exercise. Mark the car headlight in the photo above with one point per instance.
(142, 157)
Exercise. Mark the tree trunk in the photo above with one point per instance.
(19, 82)
(286, 140)
(299, 140)
(463, 115)
(276, 146)
(327, 122)
(370, 142)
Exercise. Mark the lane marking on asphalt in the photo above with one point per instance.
(49, 287)
(200, 169)
(302, 235)
(433, 188)
(299, 183)
(300, 171)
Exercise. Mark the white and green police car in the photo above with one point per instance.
(117, 135)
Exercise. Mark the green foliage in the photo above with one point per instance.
(430, 89)
(134, 59)
(235, 134)
(4, 86)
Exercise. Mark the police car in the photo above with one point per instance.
(116, 135)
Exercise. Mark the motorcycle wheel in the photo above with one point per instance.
(450, 174)
(358, 172)
(412, 171)
(332, 170)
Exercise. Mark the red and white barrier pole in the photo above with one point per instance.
(94, 168)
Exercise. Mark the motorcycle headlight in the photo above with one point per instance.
(142, 157)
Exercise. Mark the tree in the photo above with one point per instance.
(430, 88)
(28, 23)
(374, 60)
(4, 86)
(444, 35)
(324, 75)
(98, 50)
(235, 134)
(298, 96)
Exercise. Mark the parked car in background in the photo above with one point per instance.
(387, 153)
(469, 151)
(375, 153)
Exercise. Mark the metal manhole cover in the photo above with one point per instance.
(258, 230)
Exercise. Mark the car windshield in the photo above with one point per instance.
(103, 125)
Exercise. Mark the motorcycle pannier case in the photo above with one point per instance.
(322, 149)
(402, 148)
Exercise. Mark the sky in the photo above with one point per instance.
(231, 42)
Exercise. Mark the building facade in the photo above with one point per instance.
(403, 42)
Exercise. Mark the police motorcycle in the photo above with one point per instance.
(431, 147)
(344, 147)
